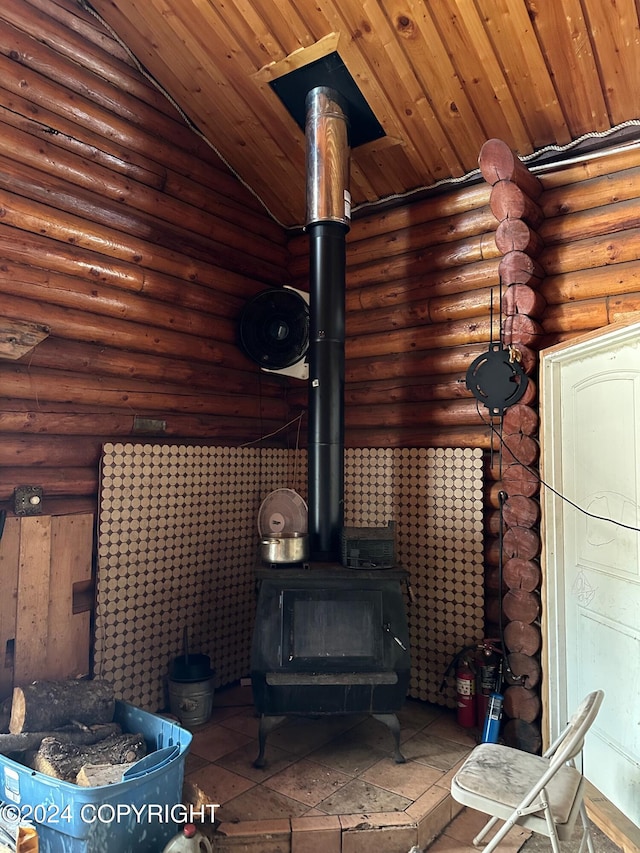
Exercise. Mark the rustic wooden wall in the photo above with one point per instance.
(127, 251)
(124, 235)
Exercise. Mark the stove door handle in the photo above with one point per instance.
(387, 628)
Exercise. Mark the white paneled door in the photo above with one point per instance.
(591, 458)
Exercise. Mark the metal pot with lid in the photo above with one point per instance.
(293, 548)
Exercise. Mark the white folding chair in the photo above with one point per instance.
(543, 793)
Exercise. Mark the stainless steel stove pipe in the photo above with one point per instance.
(327, 223)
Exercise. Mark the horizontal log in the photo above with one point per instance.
(82, 357)
(522, 735)
(624, 308)
(464, 436)
(499, 163)
(514, 235)
(492, 552)
(392, 292)
(492, 497)
(136, 397)
(425, 312)
(583, 285)
(522, 637)
(591, 253)
(522, 573)
(519, 268)
(582, 316)
(521, 511)
(65, 760)
(609, 219)
(508, 201)
(32, 450)
(20, 337)
(521, 605)
(493, 581)
(429, 364)
(522, 299)
(435, 414)
(520, 418)
(522, 703)
(55, 482)
(27, 741)
(518, 480)
(473, 331)
(566, 176)
(223, 430)
(426, 389)
(42, 122)
(492, 523)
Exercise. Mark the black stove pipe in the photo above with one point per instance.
(327, 223)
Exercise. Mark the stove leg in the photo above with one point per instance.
(266, 725)
(393, 724)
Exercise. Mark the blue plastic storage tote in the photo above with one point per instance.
(140, 813)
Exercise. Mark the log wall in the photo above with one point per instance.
(128, 244)
(127, 251)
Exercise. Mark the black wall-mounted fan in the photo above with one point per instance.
(274, 328)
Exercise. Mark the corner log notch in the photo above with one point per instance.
(513, 201)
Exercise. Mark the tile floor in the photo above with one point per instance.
(330, 784)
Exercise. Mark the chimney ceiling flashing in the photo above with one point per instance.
(329, 71)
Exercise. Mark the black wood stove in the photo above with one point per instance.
(329, 640)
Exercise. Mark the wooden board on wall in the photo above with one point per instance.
(9, 557)
(41, 559)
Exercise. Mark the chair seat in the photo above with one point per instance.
(504, 776)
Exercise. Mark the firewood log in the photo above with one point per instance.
(46, 705)
(64, 760)
(81, 735)
(95, 775)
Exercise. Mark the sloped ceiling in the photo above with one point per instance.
(440, 76)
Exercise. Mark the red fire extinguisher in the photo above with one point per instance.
(465, 693)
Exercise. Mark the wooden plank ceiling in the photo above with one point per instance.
(441, 77)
